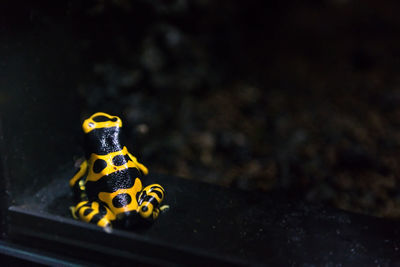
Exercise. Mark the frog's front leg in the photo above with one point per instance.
(149, 200)
(139, 165)
(77, 182)
(93, 212)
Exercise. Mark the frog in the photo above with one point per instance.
(108, 182)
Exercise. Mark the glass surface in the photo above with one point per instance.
(39, 110)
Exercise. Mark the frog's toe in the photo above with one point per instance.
(164, 208)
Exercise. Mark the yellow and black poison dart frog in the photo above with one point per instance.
(108, 182)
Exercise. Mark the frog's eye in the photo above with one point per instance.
(91, 124)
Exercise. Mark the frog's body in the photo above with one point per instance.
(108, 181)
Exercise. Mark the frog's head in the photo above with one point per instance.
(102, 133)
(101, 120)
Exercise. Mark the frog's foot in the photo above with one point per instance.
(72, 209)
(93, 212)
(149, 200)
(164, 208)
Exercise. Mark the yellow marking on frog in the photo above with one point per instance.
(104, 221)
(151, 190)
(95, 207)
(150, 210)
(132, 206)
(72, 209)
(164, 207)
(89, 124)
(88, 217)
(79, 174)
(143, 168)
(110, 168)
(82, 185)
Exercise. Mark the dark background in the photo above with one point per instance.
(299, 96)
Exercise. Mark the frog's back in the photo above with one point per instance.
(113, 175)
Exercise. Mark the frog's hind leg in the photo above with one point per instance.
(149, 200)
(93, 212)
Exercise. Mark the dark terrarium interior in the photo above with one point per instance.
(258, 96)
(295, 96)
